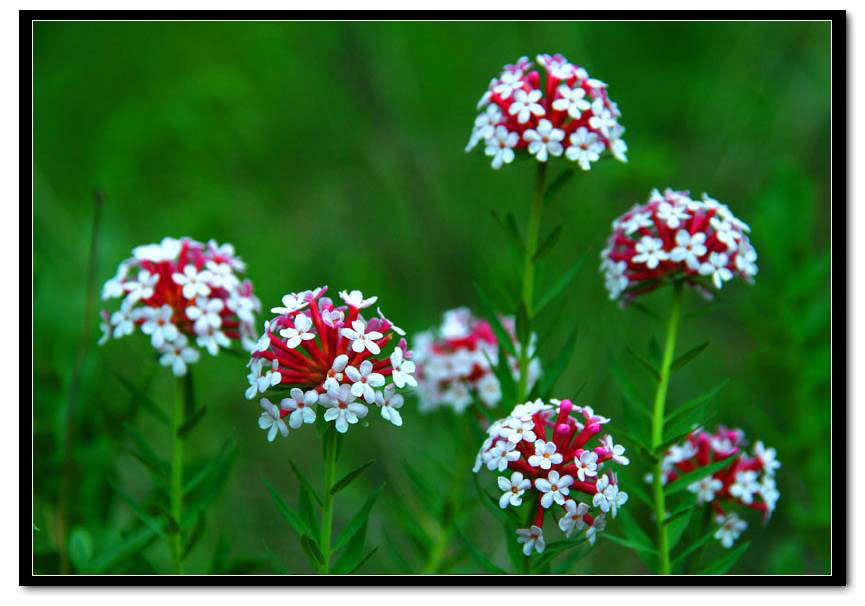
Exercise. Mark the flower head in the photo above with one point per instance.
(180, 291)
(566, 469)
(331, 357)
(673, 237)
(567, 113)
(453, 364)
(748, 481)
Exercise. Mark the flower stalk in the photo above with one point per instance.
(658, 426)
(327, 506)
(176, 485)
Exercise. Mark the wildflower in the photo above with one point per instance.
(271, 420)
(747, 481)
(183, 290)
(453, 364)
(326, 364)
(561, 466)
(536, 110)
(673, 237)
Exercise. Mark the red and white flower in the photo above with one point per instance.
(567, 469)
(673, 237)
(748, 481)
(453, 363)
(310, 351)
(181, 290)
(538, 112)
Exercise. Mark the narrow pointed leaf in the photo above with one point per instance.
(725, 563)
(559, 285)
(352, 553)
(653, 372)
(694, 404)
(357, 522)
(311, 550)
(294, 520)
(148, 520)
(306, 510)
(676, 527)
(555, 549)
(633, 487)
(195, 535)
(523, 323)
(489, 312)
(689, 355)
(558, 365)
(304, 482)
(363, 561)
(629, 392)
(139, 396)
(349, 478)
(548, 244)
(694, 547)
(483, 561)
(678, 513)
(191, 422)
(121, 551)
(697, 475)
(558, 183)
(144, 452)
(629, 544)
(654, 352)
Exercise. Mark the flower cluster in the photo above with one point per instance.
(749, 480)
(180, 291)
(330, 356)
(673, 237)
(548, 453)
(454, 362)
(570, 113)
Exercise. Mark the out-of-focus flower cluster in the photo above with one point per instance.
(556, 462)
(182, 293)
(567, 114)
(748, 481)
(673, 236)
(329, 356)
(455, 361)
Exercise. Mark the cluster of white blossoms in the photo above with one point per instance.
(567, 114)
(749, 480)
(455, 362)
(548, 459)
(182, 293)
(329, 356)
(675, 237)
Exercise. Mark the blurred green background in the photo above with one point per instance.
(332, 153)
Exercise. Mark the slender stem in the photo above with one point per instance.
(658, 426)
(177, 475)
(532, 233)
(327, 508)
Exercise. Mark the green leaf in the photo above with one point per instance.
(635, 488)
(140, 397)
(195, 535)
(644, 363)
(357, 522)
(509, 224)
(634, 531)
(145, 453)
(676, 526)
(304, 482)
(353, 552)
(275, 563)
(629, 392)
(523, 323)
(515, 551)
(148, 520)
(488, 310)
(363, 561)
(689, 355)
(294, 520)
(696, 475)
(655, 352)
(555, 549)
(548, 244)
(188, 395)
(681, 434)
(126, 548)
(629, 544)
(80, 547)
(191, 422)
(558, 365)
(311, 550)
(694, 547)
(642, 308)
(558, 183)
(206, 484)
(696, 403)
(559, 285)
(678, 514)
(306, 510)
(724, 564)
(349, 477)
(483, 561)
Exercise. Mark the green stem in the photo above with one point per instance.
(658, 426)
(327, 508)
(532, 233)
(176, 487)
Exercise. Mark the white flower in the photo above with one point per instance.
(705, 489)
(603, 119)
(525, 104)
(205, 314)
(585, 148)
(123, 320)
(459, 396)
(271, 378)
(516, 430)
(637, 221)
(335, 375)
(745, 259)
(513, 489)
(767, 458)
(291, 303)
(716, 267)
(389, 401)
(271, 420)
(725, 232)
(299, 332)
(177, 355)
(545, 140)
(558, 66)
(545, 455)
(341, 408)
(572, 521)
(508, 83)
(195, 283)
(167, 250)
(555, 488)
(730, 529)
(617, 451)
(502, 453)
(500, 147)
(158, 325)
(364, 380)
(489, 390)
(769, 493)
(105, 327)
(212, 339)
(573, 101)
(615, 279)
(598, 524)
(393, 326)
(531, 538)
(113, 288)
(360, 339)
(255, 366)
(263, 343)
(587, 464)
(672, 214)
(333, 317)
(243, 307)
(403, 370)
(608, 497)
(689, 248)
(355, 299)
(745, 486)
(651, 252)
(142, 288)
(301, 406)
(222, 275)
(485, 126)
(618, 147)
